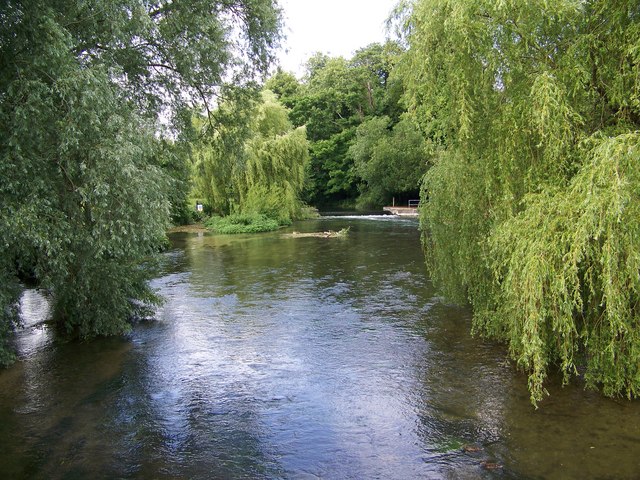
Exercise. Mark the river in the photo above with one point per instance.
(280, 357)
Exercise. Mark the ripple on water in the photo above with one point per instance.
(298, 358)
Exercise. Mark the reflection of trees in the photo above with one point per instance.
(54, 405)
(470, 395)
(270, 266)
(272, 355)
(296, 308)
(574, 433)
(466, 388)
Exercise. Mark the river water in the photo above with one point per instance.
(278, 357)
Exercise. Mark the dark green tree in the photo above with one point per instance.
(173, 158)
(83, 196)
(375, 65)
(332, 100)
(286, 87)
(390, 160)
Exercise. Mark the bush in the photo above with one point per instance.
(242, 223)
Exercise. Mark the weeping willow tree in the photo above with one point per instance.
(531, 210)
(254, 162)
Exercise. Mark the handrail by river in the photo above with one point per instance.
(409, 211)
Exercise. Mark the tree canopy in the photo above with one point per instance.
(389, 160)
(253, 163)
(531, 208)
(85, 195)
(334, 98)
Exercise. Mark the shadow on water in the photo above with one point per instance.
(280, 357)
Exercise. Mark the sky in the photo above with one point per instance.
(334, 27)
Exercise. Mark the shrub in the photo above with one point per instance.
(242, 223)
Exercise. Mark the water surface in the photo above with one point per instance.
(278, 357)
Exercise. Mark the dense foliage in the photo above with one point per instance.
(254, 162)
(242, 223)
(532, 205)
(335, 97)
(390, 161)
(84, 181)
(528, 114)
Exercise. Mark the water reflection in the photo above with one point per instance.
(278, 357)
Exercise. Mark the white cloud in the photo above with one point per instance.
(335, 27)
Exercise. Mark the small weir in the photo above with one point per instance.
(410, 210)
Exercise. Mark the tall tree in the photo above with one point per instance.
(254, 162)
(390, 161)
(334, 98)
(285, 86)
(531, 207)
(82, 85)
(374, 66)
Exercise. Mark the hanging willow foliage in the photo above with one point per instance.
(531, 210)
(255, 163)
(275, 174)
(568, 266)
